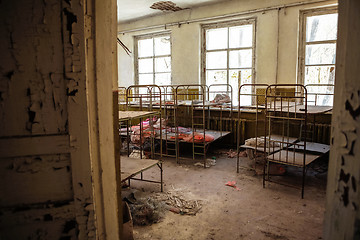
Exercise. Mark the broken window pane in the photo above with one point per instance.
(146, 65)
(321, 27)
(162, 45)
(163, 64)
(145, 48)
(163, 78)
(320, 54)
(216, 60)
(241, 36)
(216, 38)
(240, 59)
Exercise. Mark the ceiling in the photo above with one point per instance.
(129, 10)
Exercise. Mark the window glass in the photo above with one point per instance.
(319, 52)
(162, 46)
(241, 36)
(321, 27)
(145, 48)
(229, 56)
(240, 59)
(153, 60)
(216, 38)
(216, 60)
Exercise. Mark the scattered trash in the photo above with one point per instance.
(146, 211)
(181, 206)
(232, 184)
(135, 154)
(221, 98)
(231, 153)
(209, 163)
(243, 154)
(151, 209)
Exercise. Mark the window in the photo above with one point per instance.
(229, 55)
(153, 59)
(318, 54)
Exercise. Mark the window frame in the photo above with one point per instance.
(302, 39)
(228, 24)
(136, 54)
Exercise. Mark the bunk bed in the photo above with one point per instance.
(287, 115)
(186, 112)
(139, 109)
(251, 99)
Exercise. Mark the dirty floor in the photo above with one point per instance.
(249, 212)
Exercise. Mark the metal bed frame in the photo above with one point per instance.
(289, 121)
(121, 97)
(145, 95)
(315, 105)
(197, 122)
(168, 96)
(259, 108)
(228, 91)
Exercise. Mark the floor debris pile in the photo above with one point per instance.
(151, 209)
(209, 163)
(180, 205)
(146, 211)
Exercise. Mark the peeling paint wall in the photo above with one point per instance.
(46, 188)
(343, 190)
(276, 39)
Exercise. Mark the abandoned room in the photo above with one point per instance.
(209, 119)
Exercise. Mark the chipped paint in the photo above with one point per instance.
(343, 197)
(42, 102)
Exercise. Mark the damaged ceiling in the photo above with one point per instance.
(130, 10)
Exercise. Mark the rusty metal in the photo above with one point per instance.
(286, 121)
(146, 97)
(256, 100)
(228, 91)
(183, 91)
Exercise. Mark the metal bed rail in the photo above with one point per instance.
(256, 95)
(145, 97)
(288, 122)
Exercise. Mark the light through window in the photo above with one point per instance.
(319, 54)
(228, 56)
(153, 60)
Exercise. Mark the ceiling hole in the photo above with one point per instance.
(166, 6)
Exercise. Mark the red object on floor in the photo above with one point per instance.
(232, 184)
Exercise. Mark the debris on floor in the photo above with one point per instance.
(243, 154)
(231, 153)
(151, 209)
(135, 154)
(146, 211)
(209, 163)
(232, 184)
(274, 169)
(182, 206)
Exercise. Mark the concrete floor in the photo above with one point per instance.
(253, 212)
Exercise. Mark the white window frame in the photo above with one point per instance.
(228, 24)
(136, 56)
(302, 39)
